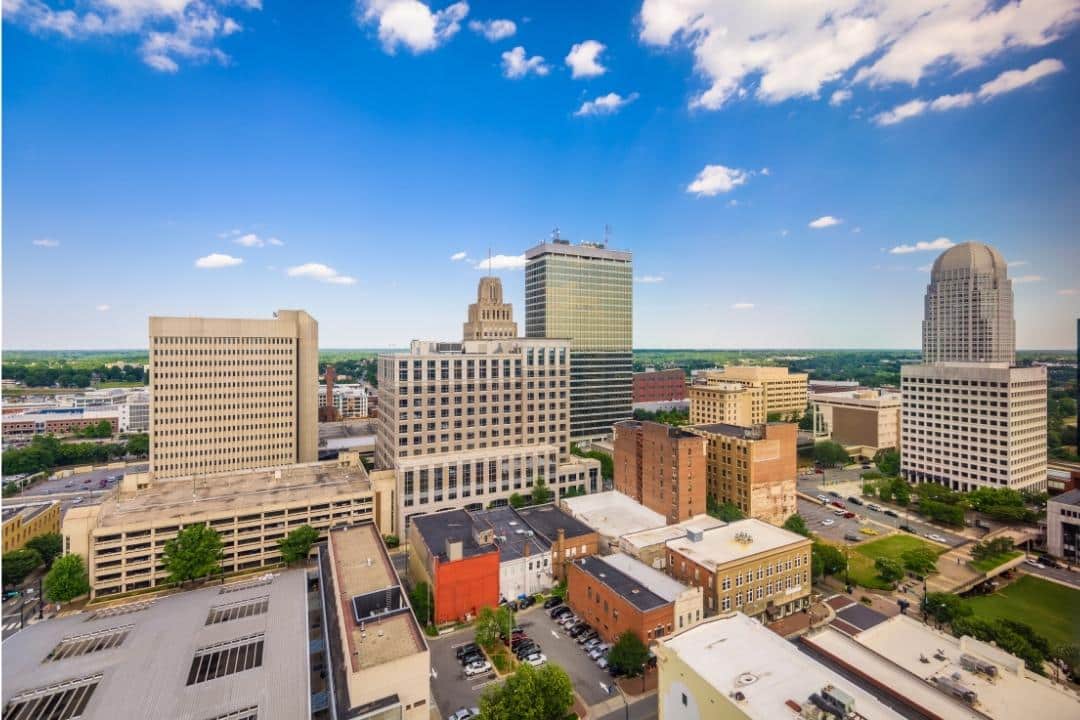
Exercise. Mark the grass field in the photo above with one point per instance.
(861, 561)
(1048, 607)
(988, 564)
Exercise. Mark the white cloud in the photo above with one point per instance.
(716, 179)
(778, 50)
(605, 104)
(1005, 82)
(742, 306)
(411, 23)
(320, 272)
(458, 256)
(45, 242)
(1028, 279)
(253, 240)
(214, 261)
(516, 64)
(1069, 291)
(169, 31)
(649, 279)
(823, 222)
(502, 262)
(584, 59)
(493, 30)
(103, 308)
(839, 97)
(925, 268)
(941, 243)
(1017, 263)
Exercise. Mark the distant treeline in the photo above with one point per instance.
(63, 374)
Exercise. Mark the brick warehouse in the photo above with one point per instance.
(659, 386)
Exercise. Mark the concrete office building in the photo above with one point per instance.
(662, 467)
(377, 657)
(24, 522)
(733, 667)
(753, 468)
(350, 401)
(122, 538)
(585, 293)
(1062, 527)
(970, 425)
(747, 565)
(489, 317)
(57, 421)
(229, 394)
(726, 402)
(239, 651)
(659, 386)
(135, 413)
(867, 420)
(969, 307)
(781, 391)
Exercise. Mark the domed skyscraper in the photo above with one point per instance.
(969, 307)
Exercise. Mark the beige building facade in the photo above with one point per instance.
(489, 317)
(726, 402)
(781, 391)
(867, 418)
(232, 394)
(25, 522)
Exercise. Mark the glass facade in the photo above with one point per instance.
(584, 293)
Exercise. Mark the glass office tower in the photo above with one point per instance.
(584, 293)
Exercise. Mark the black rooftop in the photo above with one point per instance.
(1072, 497)
(437, 528)
(548, 519)
(624, 586)
(512, 534)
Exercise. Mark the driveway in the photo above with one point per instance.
(448, 682)
(566, 653)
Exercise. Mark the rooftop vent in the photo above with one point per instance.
(745, 679)
(743, 537)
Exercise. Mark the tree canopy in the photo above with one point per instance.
(797, 524)
(541, 493)
(919, 560)
(194, 553)
(66, 580)
(297, 544)
(829, 453)
(827, 559)
(422, 603)
(888, 462)
(629, 654)
(727, 511)
(49, 546)
(544, 693)
(888, 569)
(18, 564)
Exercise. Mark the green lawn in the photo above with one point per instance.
(988, 564)
(861, 562)
(1046, 606)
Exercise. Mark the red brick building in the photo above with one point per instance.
(612, 602)
(659, 386)
(662, 467)
(458, 561)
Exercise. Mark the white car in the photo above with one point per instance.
(828, 522)
(823, 498)
(937, 538)
(873, 506)
(462, 714)
(839, 512)
(477, 668)
(599, 650)
(536, 659)
(1034, 563)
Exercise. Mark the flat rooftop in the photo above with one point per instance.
(613, 514)
(513, 536)
(547, 520)
(591, 250)
(735, 541)
(28, 512)
(734, 653)
(666, 587)
(735, 431)
(1014, 693)
(151, 648)
(1071, 497)
(624, 585)
(437, 528)
(179, 499)
(655, 536)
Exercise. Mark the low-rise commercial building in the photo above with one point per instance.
(725, 402)
(525, 566)
(135, 413)
(60, 421)
(378, 660)
(569, 538)
(662, 467)
(24, 522)
(350, 400)
(239, 651)
(654, 386)
(612, 514)
(123, 537)
(650, 546)
(781, 391)
(748, 565)
(459, 561)
(1062, 526)
(617, 593)
(734, 667)
(753, 468)
(865, 418)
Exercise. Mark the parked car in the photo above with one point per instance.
(526, 651)
(599, 651)
(937, 538)
(602, 662)
(552, 601)
(839, 512)
(580, 630)
(838, 504)
(1034, 563)
(834, 493)
(560, 611)
(853, 537)
(823, 498)
(866, 466)
(477, 668)
(472, 658)
(570, 621)
(908, 528)
(867, 530)
(854, 500)
(585, 637)
(536, 660)
(828, 522)
(466, 649)
(873, 506)
(591, 642)
(77, 500)
(891, 513)
(849, 514)
(527, 602)
(464, 714)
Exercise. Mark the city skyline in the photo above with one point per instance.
(245, 170)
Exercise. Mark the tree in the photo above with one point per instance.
(541, 493)
(830, 558)
(796, 524)
(945, 607)
(19, 563)
(138, 444)
(422, 603)
(516, 501)
(297, 544)
(392, 541)
(195, 552)
(49, 546)
(1067, 655)
(66, 580)
(919, 560)
(728, 511)
(888, 462)
(629, 654)
(774, 417)
(830, 454)
(544, 693)
(888, 569)
(486, 627)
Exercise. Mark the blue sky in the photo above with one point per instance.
(344, 152)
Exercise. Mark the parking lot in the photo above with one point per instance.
(89, 481)
(453, 690)
(814, 512)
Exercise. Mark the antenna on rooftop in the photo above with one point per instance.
(489, 262)
(607, 234)
(555, 234)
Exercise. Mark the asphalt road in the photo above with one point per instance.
(451, 688)
(644, 709)
(565, 652)
(1069, 577)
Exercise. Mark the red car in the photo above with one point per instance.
(837, 503)
(849, 514)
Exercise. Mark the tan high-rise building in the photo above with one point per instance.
(662, 467)
(489, 316)
(752, 468)
(781, 391)
(865, 418)
(232, 394)
(726, 402)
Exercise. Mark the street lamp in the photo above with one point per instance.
(609, 689)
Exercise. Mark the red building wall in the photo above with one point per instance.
(464, 586)
(660, 386)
